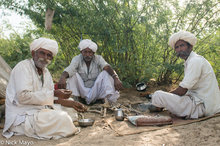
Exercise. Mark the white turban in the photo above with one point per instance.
(44, 43)
(88, 44)
(182, 35)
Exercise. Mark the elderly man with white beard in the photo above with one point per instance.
(30, 97)
(198, 93)
(90, 77)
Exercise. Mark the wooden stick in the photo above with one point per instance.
(105, 110)
(95, 111)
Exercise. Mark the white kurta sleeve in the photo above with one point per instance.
(72, 68)
(102, 62)
(192, 74)
(26, 90)
(42, 97)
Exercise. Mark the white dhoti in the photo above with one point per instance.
(70, 110)
(46, 124)
(102, 88)
(182, 106)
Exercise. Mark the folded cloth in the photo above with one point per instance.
(150, 120)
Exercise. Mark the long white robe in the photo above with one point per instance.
(203, 95)
(29, 105)
(182, 106)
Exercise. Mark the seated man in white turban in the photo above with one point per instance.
(198, 93)
(90, 77)
(30, 97)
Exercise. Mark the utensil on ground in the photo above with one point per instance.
(85, 122)
(141, 86)
(119, 115)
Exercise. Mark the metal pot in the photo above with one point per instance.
(85, 122)
(141, 86)
(119, 115)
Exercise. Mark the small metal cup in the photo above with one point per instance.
(119, 115)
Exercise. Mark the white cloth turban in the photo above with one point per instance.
(46, 44)
(88, 44)
(182, 35)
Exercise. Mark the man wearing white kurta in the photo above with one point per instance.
(90, 76)
(198, 94)
(30, 97)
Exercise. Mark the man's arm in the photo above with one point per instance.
(63, 95)
(179, 91)
(69, 72)
(43, 97)
(70, 103)
(117, 82)
(62, 81)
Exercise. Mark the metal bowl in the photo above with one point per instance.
(141, 86)
(85, 122)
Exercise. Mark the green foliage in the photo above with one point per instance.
(132, 35)
(15, 49)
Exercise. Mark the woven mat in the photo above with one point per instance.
(122, 128)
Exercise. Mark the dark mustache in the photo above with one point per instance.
(88, 57)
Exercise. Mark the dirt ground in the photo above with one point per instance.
(101, 134)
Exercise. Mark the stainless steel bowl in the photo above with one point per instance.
(85, 122)
(141, 86)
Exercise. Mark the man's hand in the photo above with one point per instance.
(70, 103)
(118, 83)
(79, 107)
(62, 83)
(179, 91)
(111, 72)
(62, 93)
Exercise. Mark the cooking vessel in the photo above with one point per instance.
(119, 115)
(85, 122)
(141, 86)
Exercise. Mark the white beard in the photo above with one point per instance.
(41, 63)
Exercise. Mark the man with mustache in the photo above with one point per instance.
(90, 77)
(198, 93)
(30, 97)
